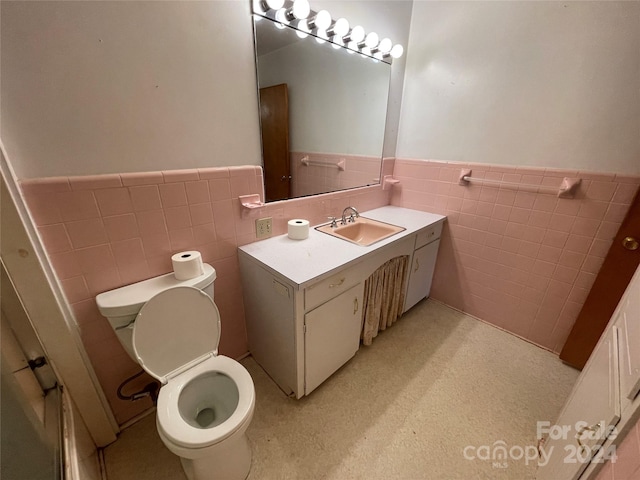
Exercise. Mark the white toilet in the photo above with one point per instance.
(206, 402)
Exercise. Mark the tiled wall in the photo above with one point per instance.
(106, 231)
(627, 464)
(516, 257)
(311, 179)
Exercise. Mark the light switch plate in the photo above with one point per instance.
(263, 227)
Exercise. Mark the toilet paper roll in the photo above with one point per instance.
(298, 229)
(187, 265)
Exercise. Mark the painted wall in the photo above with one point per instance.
(111, 87)
(114, 87)
(551, 84)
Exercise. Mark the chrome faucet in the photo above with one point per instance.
(352, 217)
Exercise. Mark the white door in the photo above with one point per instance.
(332, 336)
(627, 318)
(421, 274)
(590, 414)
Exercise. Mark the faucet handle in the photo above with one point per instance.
(333, 222)
(352, 218)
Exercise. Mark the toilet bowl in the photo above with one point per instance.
(206, 400)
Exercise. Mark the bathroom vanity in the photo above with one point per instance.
(303, 298)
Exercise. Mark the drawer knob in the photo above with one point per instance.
(332, 285)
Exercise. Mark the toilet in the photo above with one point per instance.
(206, 401)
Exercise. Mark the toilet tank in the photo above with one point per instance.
(122, 305)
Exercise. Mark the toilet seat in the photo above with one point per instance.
(175, 339)
(175, 330)
(180, 432)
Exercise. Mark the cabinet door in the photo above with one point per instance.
(422, 267)
(590, 414)
(332, 336)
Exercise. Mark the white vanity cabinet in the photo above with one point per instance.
(304, 299)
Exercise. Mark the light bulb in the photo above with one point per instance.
(352, 47)
(385, 45)
(302, 29)
(281, 18)
(321, 21)
(366, 51)
(321, 36)
(337, 42)
(397, 51)
(356, 35)
(300, 9)
(274, 4)
(371, 40)
(259, 7)
(340, 28)
(378, 55)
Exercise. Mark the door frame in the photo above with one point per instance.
(28, 267)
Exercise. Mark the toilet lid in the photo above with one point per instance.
(174, 330)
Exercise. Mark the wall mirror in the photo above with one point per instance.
(322, 113)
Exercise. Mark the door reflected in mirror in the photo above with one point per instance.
(322, 114)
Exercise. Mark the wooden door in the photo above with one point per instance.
(274, 121)
(617, 270)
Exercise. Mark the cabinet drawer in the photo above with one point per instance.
(330, 287)
(429, 234)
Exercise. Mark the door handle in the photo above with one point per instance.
(630, 243)
(417, 265)
(355, 305)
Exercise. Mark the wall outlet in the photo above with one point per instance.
(263, 227)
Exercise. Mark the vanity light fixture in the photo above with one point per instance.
(298, 14)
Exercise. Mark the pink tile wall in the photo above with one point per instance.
(520, 258)
(106, 231)
(627, 462)
(312, 179)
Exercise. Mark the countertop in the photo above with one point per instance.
(303, 261)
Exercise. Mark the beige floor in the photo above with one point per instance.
(405, 408)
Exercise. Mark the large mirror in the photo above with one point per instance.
(322, 113)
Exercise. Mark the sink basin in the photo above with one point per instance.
(364, 231)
